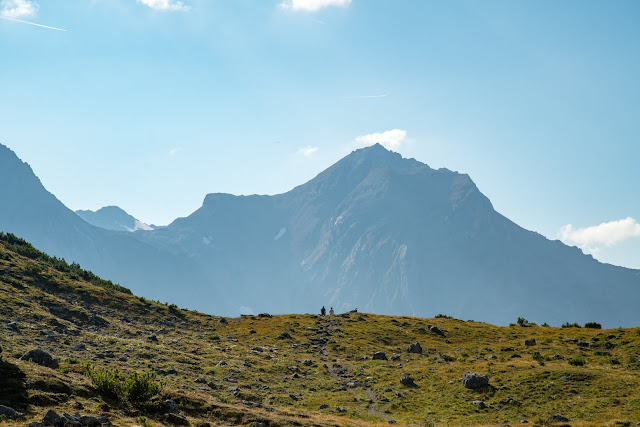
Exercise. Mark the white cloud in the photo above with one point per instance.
(165, 4)
(312, 5)
(307, 151)
(18, 8)
(175, 151)
(607, 234)
(392, 139)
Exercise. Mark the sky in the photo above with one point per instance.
(152, 104)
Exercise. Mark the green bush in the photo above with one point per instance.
(576, 361)
(570, 325)
(593, 325)
(522, 321)
(132, 388)
(443, 316)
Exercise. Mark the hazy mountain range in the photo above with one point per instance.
(113, 218)
(374, 231)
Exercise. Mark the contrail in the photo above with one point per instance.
(319, 21)
(365, 96)
(32, 23)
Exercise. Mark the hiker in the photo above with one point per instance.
(323, 311)
(331, 312)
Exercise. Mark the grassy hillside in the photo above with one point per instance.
(280, 370)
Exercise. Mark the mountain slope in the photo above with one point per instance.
(113, 218)
(296, 370)
(30, 211)
(391, 235)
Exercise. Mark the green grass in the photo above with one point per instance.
(200, 359)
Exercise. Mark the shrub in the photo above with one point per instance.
(522, 321)
(447, 358)
(142, 421)
(545, 325)
(133, 388)
(593, 325)
(443, 316)
(576, 361)
(570, 325)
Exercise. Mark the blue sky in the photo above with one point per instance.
(151, 104)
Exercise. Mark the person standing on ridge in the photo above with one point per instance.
(331, 312)
(323, 311)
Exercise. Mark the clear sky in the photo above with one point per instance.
(151, 104)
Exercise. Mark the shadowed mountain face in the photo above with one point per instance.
(391, 235)
(28, 210)
(374, 231)
(113, 218)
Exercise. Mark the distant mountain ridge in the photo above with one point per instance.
(113, 218)
(380, 233)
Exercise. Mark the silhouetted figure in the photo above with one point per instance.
(331, 312)
(323, 311)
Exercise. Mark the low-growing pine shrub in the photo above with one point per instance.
(570, 325)
(576, 361)
(132, 388)
(593, 325)
(443, 316)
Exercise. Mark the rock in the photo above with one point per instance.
(70, 420)
(258, 349)
(41, 358)
(559, 418)
(252, 331)
(323, 406)
(51, 419)
(13, 326)
(380, 355)
(285, 335)
(307, 362)
(415, 348)
(474, 381)
(11, 413)
(89, 421)
(177, 420)
(493, 356)
(395, 357)
(264, 315)
(340, 409)
(80, 347)
(221, 363)
(480, 404)
(436, 330)
(170, 406)
(407, 381)
(162, 331)
(153, 338)
(530, 342)
(223, 321)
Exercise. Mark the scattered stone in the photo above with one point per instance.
(221, 363)
(407, 381)
(285, 335)
(252, 331)
(474, 381)
(177, 420)
(258, 349)
(223, 321)
(415, 348)
(493, 356)
(201, 381)
(341, 388)
(380, 355)
(480, 404)
(507, 349)
(340, 409)
(13, 326)
(395, 357)
(559, 418)
(307, 362)
(80, 347)
(530, 342)
(41, 358)
(436, 330)
(153, 338)
(51, 418)
(10, 413)
(323, 406)
(583, 344)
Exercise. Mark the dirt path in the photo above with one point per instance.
(335, 371)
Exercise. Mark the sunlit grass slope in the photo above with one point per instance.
(296, 369)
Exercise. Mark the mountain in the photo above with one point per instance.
(375, 231)
(294, 369)
(113, 218)
(391, 235)
(31, 212)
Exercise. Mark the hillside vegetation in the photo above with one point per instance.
(296, 369)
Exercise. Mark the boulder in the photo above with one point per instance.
(407, 381)
(474, 381)
(11, 413)
(41, 358)
(379, 355)
(52, 419)
(530, 342)
(415, 348)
